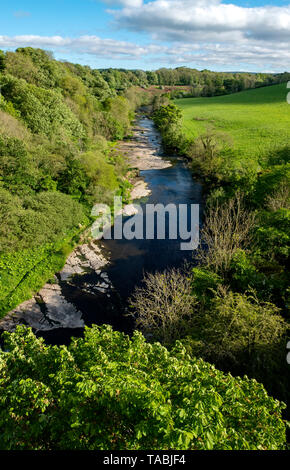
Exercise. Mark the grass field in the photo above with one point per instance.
(255, 119)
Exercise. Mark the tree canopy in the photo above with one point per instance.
(108, 392)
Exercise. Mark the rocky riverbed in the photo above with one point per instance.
(141, 153)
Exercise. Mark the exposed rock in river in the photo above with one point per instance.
(49, 309)
(84, 257)
(45, 311)
(141, 153)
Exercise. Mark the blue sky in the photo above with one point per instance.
(214, 34)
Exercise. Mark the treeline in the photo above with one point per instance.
(58, 123)
(233, 308)
(199, 83)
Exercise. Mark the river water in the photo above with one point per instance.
(129, 260)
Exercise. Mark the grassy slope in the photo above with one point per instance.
(256, 119)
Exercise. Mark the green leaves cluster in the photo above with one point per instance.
(109, 392)
(168, 119)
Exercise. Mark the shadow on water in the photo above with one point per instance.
(129, 260)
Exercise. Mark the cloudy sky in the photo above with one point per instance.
(249, 35)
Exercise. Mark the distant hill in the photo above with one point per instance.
(257, 120)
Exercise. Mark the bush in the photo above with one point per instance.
(204, 283)
(273, 234)
(241, 332)
(17, 169)
(42, 110)
(168, 119)
(41, 219)
(109, 392)
(164, 306)
(228, 228)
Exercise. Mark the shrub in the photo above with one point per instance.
(228, 227)
(243, 333)
(41, 219)
(42, 110)
(16, 166)
(271, 183)
(168, 119)
(164, 306)
(204, 283)
(272, 234)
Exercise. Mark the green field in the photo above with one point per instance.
(255, 119)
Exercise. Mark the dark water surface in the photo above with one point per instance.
(129, 260)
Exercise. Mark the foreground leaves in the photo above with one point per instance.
(108, 391)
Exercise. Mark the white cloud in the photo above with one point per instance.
(109, 48)
(204, 33)
(125, 3)
(199, 33)
(211, 32)
(185, 20)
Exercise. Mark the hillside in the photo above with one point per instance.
(257, 120)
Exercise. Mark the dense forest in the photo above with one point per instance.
(59, 124)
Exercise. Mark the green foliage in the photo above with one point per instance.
(55, 161)
(273, 234)
(17, 171)
(8, 107)
(191, 82)
(43, 110)
(168, 120)
(204, 283)
(118, 117)
(271, 179)
(73, 179)
(2, 61)
(243, 272)
(109, 392)
(240, 143)
(167, 115)
(242, 331)
(23, 273)
(48, 70)
(37, 220)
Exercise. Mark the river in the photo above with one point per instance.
(129, 260)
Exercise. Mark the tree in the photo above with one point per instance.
(228, 228)
(164, 306)
(244, 334)
(109, 392)
(166, 116)
(206, 152)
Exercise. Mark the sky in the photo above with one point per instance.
(220, 35)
